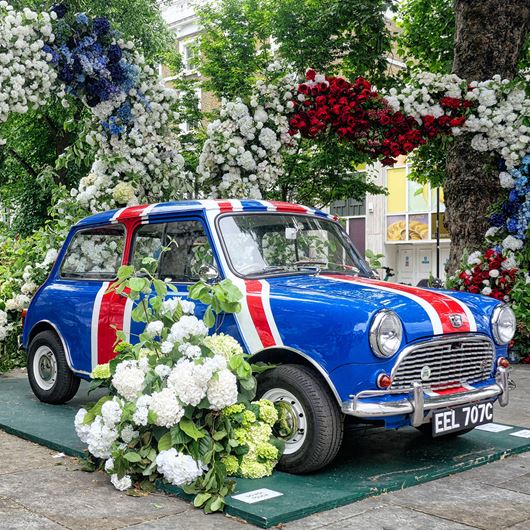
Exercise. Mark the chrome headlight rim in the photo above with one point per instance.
(495, 319)
(375, 338)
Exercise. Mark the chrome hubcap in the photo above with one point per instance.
(292, 419)
(45, 367)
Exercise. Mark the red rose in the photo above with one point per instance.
(321, 100)
(310, 74)
(303, 88)
(398, 118)
(384, 119)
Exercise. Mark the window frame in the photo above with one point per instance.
(74, 237)
(165, 222)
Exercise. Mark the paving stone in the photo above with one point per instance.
(525, 525)
(336, 515)
(520, 484)
(193, 520)
(467, 502)
(13, 516)
(395, 518)
(84, 501)
(21, 455)
(498, 472)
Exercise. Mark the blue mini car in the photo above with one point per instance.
(346, 345)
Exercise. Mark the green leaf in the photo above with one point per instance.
(137, 284)
(209, 317)
(132, 457)
(201, 499)
(191, 429)
(125, 271)
(160, 288)
(165, 442)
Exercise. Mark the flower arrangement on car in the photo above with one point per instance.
(179, 406)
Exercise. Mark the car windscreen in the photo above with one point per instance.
(262, 244)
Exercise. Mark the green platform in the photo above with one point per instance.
(372, 461)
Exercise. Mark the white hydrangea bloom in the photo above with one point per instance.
(129, 379)
(142, 410)
(109, 465)
(178, 469)
(189, 382)
(475, 258)
(111, 412)
(512, 243)
(128, 434)
(507, 181)
(162, 370)
(81, 429)
(100, 438)
(190, 350)
(224, 345)
(188, 326)
(121, 484)
(154, 329)
(167, 408)
(222, 390)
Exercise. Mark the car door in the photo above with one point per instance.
(180, 247)
(79, 294)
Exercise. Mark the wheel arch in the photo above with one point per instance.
(46, 325)
(286, 355)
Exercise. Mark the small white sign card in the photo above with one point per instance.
(493, 427)
(525, 433)
(251, 497)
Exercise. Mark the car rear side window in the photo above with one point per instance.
(94, 253)
(180, 247)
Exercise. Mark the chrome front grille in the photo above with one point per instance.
(447, 362)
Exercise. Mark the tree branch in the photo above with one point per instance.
(23, 162)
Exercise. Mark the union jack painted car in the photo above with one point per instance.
(345, 344)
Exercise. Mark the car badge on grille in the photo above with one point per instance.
(456, 321)
(425, 373)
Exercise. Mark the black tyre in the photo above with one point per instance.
(426, 430)
(50, 378)
(312, 425)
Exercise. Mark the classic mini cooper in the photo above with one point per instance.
(344, 344)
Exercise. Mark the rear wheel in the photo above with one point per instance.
(311, 424)
(50, 378)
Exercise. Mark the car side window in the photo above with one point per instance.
(187, 250)
(94, 253)
(148, 243)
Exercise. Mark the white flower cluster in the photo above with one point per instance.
(177, 468)
(497, 120)
(422, 98)
(5, 327)
(99, 435)
(26, 77)
(242, 155)
(129, 379)
(144, 162)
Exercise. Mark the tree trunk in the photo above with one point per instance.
(489, 37)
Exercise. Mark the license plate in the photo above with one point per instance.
(460, 418)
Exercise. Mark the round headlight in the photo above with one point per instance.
(386, 333)
(503, 324)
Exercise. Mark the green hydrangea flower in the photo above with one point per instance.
(250, 468)
(248, 418)
(222, 344)
(101, 371)
(233, 410)
(240, 435)
(267, 411)
(231, 464)
(266, 451)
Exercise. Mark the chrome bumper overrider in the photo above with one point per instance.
(365, 405)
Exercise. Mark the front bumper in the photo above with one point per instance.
(366, 405)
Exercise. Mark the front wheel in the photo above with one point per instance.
(49, 375)
(310, 422)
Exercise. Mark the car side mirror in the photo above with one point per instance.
(208, 273)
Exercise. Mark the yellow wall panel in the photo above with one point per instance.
(396, 183)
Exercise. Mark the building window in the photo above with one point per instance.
(188, 52)
(411, 209)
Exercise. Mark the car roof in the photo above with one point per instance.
(148, 212)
